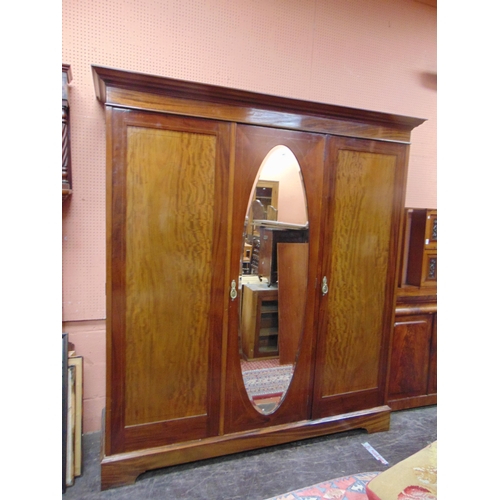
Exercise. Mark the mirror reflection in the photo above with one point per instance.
(273, 279)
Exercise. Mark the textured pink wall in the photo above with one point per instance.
(372, 54)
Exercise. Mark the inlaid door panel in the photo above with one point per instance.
(166, 250)
(359, 262)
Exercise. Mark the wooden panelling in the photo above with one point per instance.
(413, 367)
(432, 384)
(169, 239)
(360, 243)
(166, 308)
(410, 356)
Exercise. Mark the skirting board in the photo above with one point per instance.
(124, 468)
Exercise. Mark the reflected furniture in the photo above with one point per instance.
(182, 160)
(267, 193)
(270, 237)
(292, 271)
(259, 321)
(413, 365)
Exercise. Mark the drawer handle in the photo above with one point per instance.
(233, 293)
(324, 286)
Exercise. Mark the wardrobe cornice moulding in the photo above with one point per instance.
(120, 88)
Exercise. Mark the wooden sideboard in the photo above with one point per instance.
(413, 371)
(413, 362)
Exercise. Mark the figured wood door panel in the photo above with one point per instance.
(167, 273)
(410, 356)
(360, 254)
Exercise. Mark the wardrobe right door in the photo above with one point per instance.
(364, 184)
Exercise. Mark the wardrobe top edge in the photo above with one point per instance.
(106, 77)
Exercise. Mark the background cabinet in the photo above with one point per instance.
(413, 373)
(182, 162)
(421, 267)
(413, 363)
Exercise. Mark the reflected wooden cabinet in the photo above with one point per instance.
(182, 163)
(268, 251)
(259, 321)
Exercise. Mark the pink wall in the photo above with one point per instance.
(281, 165)
(372, 54)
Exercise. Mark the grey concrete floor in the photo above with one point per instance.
(264, 473)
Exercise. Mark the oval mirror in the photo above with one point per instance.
(273, 277)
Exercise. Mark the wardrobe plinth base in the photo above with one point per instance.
(124, 468)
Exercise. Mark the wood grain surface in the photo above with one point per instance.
(364, 185)
(167, 241)
(182, 159)
(170, 204)
(293, 259)
(365, 190)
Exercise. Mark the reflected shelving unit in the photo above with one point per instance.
(259, 321)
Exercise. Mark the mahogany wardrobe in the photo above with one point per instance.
(184, 166)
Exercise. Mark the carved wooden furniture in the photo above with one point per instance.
(422, 247)
(181, 164)
(66, 139)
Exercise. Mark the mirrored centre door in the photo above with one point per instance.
(272, 315)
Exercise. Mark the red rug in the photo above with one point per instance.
(343, 488)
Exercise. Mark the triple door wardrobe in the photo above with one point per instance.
(183, 163)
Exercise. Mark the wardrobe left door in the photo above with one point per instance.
(167, 197)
